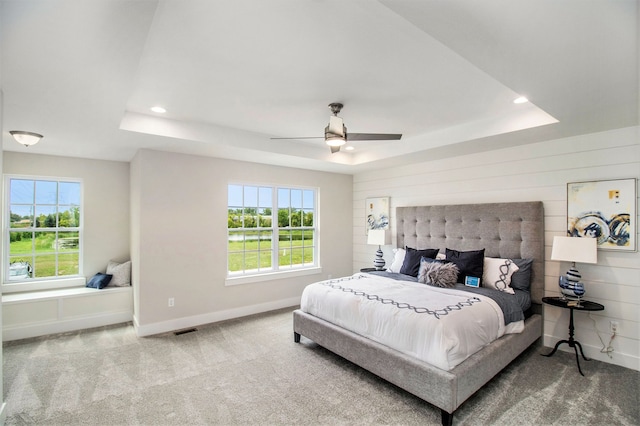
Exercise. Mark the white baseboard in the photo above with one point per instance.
(192, 321)
(25, 331)
(593, 352)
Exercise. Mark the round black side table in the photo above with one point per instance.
(583, 305)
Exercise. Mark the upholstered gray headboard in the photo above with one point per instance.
(506, 230)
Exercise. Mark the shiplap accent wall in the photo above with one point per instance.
(533, 172)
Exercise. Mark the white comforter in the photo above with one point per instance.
(450, 325)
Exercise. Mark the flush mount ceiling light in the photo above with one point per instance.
(158, 109)
(520, 100)
(26, 138)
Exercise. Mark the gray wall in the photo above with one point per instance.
(179, 233)
(106, 201)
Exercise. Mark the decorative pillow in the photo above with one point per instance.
(497, 274)
(99, 280)
(437, 273)
(441, 256)
(521, 280)
(121, 273)
(411, 264)
(470, 263)
(398, 260)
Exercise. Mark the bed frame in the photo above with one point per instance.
(506, 230)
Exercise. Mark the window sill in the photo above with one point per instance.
(20, 287)
(248, 279)
(60, 293)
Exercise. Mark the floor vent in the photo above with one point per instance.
(188, 330)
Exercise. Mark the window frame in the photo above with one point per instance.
(275, 271)
(50, 282)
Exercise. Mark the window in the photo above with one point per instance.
(270, 229)
(43, 233)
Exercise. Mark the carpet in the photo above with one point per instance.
(248, 371)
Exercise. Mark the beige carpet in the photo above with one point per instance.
(250, 372)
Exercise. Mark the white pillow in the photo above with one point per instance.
(121, 273)
(398, 260)
(441, 256)
(497, 274)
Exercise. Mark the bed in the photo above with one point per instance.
(503, 230)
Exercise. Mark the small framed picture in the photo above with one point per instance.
(472, 281)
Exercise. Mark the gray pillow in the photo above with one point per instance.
(521, 279)
(121, 273)
(437, 273)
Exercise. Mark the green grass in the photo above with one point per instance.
(45, 258)
(254, 254)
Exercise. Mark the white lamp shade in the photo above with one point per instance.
(575, 249)
(376, 237)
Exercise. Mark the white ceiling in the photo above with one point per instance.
(234, 73)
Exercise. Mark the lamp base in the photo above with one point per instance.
(571, 289)
(379, 262)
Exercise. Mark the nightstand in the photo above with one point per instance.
(583, 305)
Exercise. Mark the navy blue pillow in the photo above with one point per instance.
(470, 263)
(99, 280)
(411, 264)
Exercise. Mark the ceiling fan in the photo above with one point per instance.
(335, 134)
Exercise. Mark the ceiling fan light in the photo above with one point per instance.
(26, 138)
(333, 139)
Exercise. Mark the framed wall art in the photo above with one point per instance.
(605, 210)
(377, 213)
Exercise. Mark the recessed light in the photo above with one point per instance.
(158, 109)
(520, 100)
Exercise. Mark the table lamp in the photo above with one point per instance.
(377, 237)
(573, 249)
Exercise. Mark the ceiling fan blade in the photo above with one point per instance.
(373, 136)
(334, 149)
(301, 137)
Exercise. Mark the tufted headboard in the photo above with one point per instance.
(506, 230)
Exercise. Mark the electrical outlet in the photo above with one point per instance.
(613, 325)
(171, 302)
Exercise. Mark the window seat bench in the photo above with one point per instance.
(43, 312)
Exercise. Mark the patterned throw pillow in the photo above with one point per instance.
(497, 274)
(121, 273)
(437, 273)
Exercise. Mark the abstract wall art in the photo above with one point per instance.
(377, 213)
(605, 210)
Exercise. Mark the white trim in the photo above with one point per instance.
(3, 413)
(618, 358)
(43, 285)
(9, 299)
(62, 326)
(270, 276)
(195, 320)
